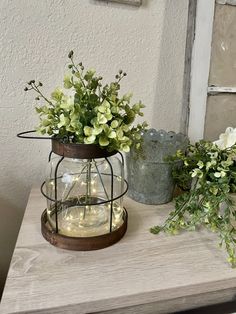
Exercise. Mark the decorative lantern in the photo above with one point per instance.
(84, 189)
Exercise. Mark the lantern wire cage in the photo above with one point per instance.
(84, 195)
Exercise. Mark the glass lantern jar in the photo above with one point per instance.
(84, 188)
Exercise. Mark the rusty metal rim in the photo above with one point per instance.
(82, 243)
(70, 150)
(79, 150)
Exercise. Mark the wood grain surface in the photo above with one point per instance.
(143, 273)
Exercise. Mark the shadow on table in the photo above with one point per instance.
(223, 308)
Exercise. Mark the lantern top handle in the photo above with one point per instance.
(25, 135)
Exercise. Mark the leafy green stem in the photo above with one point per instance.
(157, 229)
(35, 87)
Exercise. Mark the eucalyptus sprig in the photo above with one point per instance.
(211, 173)
(92, 113)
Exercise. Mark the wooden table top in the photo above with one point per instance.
(143, 273)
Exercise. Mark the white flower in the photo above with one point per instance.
(226, 139)
(186, 163)
(200, 164)
(220, 174)
(210, 164)
(213, 155)
(197, 172)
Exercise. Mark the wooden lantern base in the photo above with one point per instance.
(82, 243)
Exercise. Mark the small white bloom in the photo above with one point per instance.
(186, 163)
(194, 173)
(220, 174)
(223, 174)
(213, 155)
(210, 164)
(226, 139)
(200, 164)
(197, 172)
(207, 205)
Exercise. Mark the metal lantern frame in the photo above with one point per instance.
(91, 152)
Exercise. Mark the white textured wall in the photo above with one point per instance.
(35, 37)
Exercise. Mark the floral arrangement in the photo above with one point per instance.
(90, 113)
(210, 170)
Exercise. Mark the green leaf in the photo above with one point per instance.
(112, 134)
(46, 122)
(101, 118)
(38, 109)
(88, 131)
(67, 104)
(77, 74)
(103, 141)
(97, 130)
(156, 229)
(114, 124)
(102, 109)
(89, 74)
(125, 148)
(67, 82)
(63, 121)
(57, 94)
(90, 139)
(120, 134)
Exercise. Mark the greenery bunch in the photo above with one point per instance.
(211, 173)
(90, 113)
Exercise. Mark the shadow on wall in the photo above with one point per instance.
(10, 223)
(171, 66)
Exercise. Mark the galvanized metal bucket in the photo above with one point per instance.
(148, 170)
